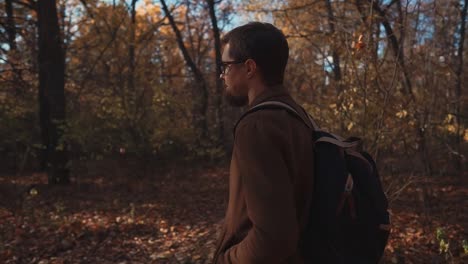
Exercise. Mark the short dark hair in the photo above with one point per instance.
(263, 43)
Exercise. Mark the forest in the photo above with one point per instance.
(115, 138)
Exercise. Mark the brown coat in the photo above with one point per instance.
(270, 187)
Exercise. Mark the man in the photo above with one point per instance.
(271, 171)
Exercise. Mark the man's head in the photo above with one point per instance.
(253, 53)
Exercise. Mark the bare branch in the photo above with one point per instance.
(292, 8)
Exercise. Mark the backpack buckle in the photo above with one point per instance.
(347, 196)
(349, 184)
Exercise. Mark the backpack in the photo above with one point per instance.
(348, 218)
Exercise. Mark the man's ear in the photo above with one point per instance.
(251, 67)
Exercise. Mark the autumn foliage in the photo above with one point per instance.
(142, 106)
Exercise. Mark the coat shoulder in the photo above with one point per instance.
(265, 116)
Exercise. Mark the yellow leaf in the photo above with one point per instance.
(402, 114)
(449, 118)
(33, 192)
(451, 128)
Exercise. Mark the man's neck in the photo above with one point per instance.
(256, 91)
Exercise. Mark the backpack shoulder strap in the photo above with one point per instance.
(321, 136)
(338, 141)
(278, 105)
(291, 110)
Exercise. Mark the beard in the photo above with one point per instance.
(236, 100)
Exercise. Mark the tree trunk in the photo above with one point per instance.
(131, 48)
(394, 43)
(11, 28)
(458, 85)
(397, 48)
(51, 92)
(130, 92)
(219, 83)
(201, 105)
(336, 57)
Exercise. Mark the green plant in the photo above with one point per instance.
(444, 244)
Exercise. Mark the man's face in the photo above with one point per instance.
(234, 76)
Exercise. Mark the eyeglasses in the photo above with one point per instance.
(226, 65)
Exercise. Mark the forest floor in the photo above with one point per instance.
(175, 216)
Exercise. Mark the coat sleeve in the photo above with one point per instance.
(268, 196)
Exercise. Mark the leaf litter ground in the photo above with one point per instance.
(175, 217)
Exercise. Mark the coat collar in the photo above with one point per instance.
(273, 92)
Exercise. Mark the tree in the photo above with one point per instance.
(394, 61)
(219, 83)
(459, 73)
(201, 86)
(51, 93)
(336, 58)
(10, 24)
